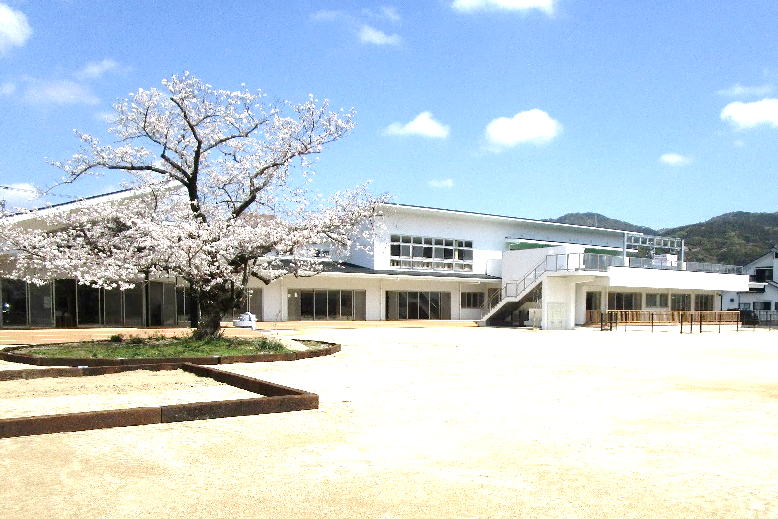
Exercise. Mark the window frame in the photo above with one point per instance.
(430, 253)
(471, 300)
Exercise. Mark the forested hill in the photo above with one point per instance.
(598, 220)
(732, 238)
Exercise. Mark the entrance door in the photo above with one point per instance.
(155, 303)
(555, 316)
(593, 307)
(88, 306)
(65, 303)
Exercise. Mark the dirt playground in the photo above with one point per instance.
(436, 422)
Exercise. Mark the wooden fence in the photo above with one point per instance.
(613, 318)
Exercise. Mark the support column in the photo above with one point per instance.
(624, 250)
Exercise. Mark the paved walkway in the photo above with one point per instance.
(447, 423)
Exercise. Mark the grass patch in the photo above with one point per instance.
(156, 347)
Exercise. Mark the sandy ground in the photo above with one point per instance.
(104, 392)
(15, 337)
(447, 422)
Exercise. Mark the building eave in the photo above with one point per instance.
(492, 217)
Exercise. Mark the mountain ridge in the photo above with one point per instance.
(735, 238)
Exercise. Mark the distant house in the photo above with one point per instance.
(428, 263)
(762, 293)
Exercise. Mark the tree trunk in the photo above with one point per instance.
(209, 324)
(213, 304)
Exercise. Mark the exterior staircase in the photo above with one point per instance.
(498, 309)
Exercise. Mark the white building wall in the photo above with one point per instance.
(734, 299)
(675, 279)
(558, 304)
(517, 263)
(371, 286)
(570, 288)
(488, 239)
(362, 253)
(453, 286)
(564, 293)
(488, 234)
(375, 287)
(580, 302)
(768, 260)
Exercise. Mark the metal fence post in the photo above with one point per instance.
(681, 315)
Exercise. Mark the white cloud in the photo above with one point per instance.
(73, 90)
(423, 125)
(7, 88)
(356, 24)
(532, 126)
(747, 115)
(447, 184)
(469, 6)
(60, 91)
(739, 90)
(14, 28)
(390, 13)
(368, 34)
(674, 159)
(96, 70)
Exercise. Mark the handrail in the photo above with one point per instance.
(595, 262)
(601, 262)
(506, 291)
(694, 266)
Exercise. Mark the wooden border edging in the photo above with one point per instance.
(28, 374)
(71, 422)
(276, 399)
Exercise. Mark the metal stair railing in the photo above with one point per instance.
(551, 263)
(515, 288)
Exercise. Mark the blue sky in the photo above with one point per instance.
(659, 113)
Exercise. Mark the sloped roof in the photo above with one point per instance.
(508, 218)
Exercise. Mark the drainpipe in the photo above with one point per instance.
(682, 255)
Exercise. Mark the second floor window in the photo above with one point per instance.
(420, 252)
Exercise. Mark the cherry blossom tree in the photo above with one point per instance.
(217, 195)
